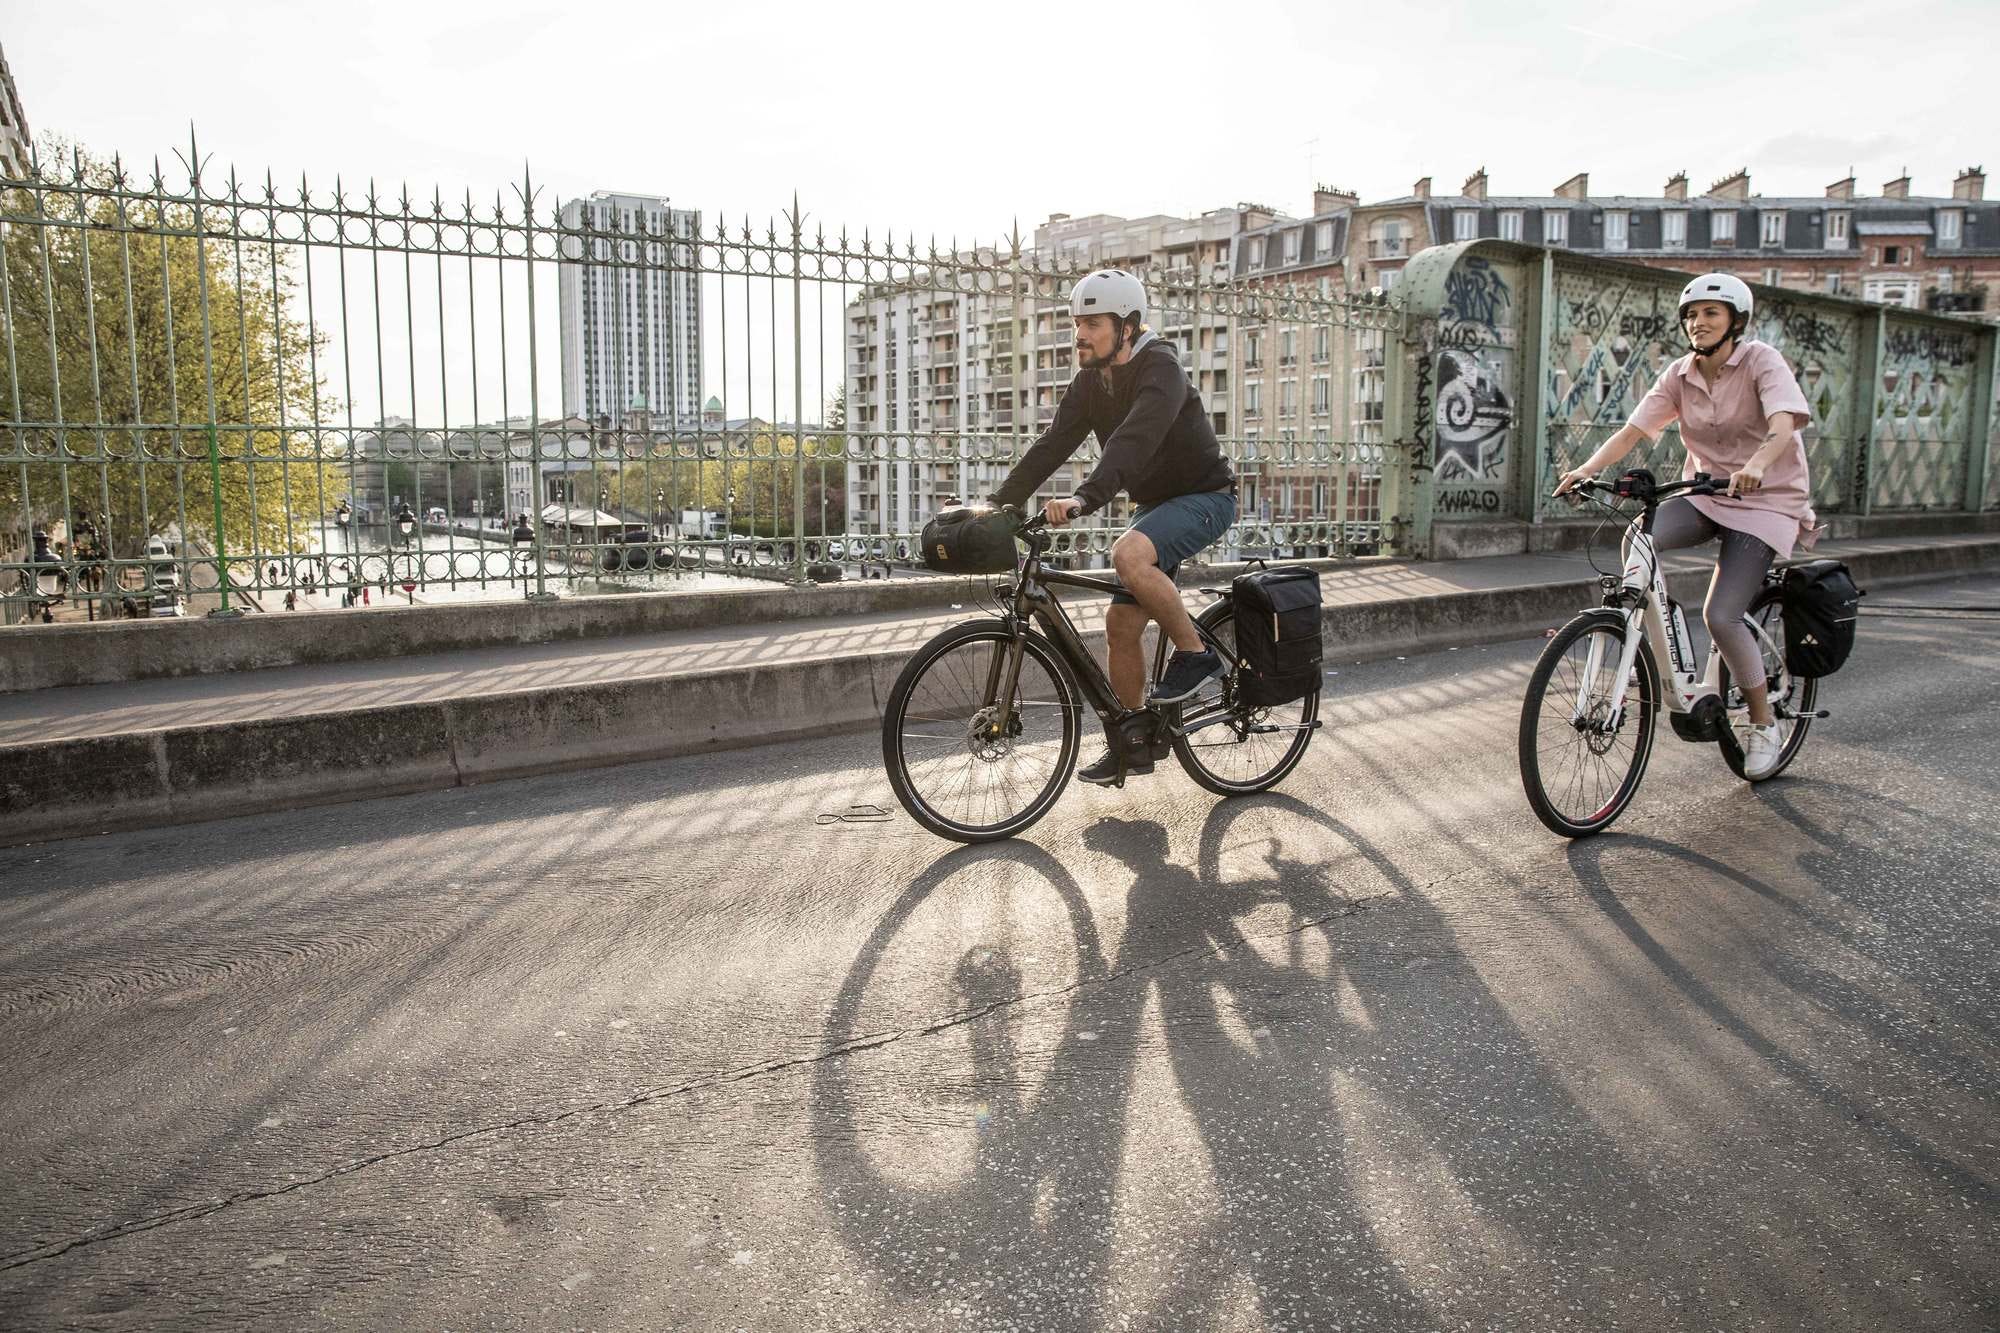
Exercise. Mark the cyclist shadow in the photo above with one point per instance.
(1235, 1161)
(1823, 988)
(1045, 1119)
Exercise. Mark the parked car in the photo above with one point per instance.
(160, 560)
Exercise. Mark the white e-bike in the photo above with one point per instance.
(1587, 721)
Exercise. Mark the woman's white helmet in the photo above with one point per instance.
(1725, 289)
(1108, 291)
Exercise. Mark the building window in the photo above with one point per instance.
(1951, 224)
(1772, 277)
(1722, 227)
(1321, 395)
(1323, 240)
(1836, 230)
(1674, 229)
(1250, 352)
(1555, 226)
(1390, 277)
(1256, 252)
(1892, 254)
(1465, 224)
(1322, 344)
(1288, 398)
(1615, 229)
(1253, 399)
(1510, 225)
(1287, 344)
(1774, 227)
(1293, 239)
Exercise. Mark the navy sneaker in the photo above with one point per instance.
(1186, 673)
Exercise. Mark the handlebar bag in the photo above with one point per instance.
(1821, 606)
(970, 541)
(1277, 634)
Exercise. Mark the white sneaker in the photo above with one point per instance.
(1761, 748)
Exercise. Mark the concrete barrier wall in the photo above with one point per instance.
(38, 657)
(77, 787)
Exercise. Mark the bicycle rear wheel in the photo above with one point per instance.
(1578, 769)
(1234, 751)
(966, 764)
(1792, 697)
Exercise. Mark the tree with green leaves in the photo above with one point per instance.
(151, 367)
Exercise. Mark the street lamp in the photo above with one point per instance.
(406, 521)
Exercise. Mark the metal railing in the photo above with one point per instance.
(250, 393)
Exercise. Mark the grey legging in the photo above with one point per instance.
(1739, 573)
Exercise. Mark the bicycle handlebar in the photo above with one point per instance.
(1701, 483)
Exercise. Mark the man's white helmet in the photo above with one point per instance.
(1108, 291)
(1726, 288)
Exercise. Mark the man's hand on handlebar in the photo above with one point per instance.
(1060, 512)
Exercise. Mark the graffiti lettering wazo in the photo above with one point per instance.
(1473, 417)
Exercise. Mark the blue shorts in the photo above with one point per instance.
(1180, 527)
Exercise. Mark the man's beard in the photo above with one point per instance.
(1089, 360)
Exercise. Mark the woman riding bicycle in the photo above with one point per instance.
(1741, 411)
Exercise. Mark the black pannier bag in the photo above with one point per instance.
(1821, 604)
(1277, 635)
(970, 541)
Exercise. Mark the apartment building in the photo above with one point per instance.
(631, 312)
(1924, 252)
(940, 381)
(15, 139)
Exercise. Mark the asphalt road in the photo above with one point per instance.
(653, 1048)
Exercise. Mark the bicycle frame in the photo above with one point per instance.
(1651, 613)
(1030, 601)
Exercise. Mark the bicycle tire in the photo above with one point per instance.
(1766, 615)
(1596, 808)
(921, 783)
(1197, 751)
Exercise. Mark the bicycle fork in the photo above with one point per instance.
(1593, 670)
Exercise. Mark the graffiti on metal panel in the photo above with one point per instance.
(1424, 409)
(1800, 330)
(1473, 365)
(1473, 417)
(1940, 347)
(1923, 420)
(1476, 294)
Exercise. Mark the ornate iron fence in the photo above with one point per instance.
(263, 392)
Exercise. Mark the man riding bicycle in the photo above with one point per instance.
(1160, 448)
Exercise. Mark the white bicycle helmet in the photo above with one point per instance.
(1108, 291)
(1724, 289)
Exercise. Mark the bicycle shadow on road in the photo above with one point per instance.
(1804, 1055)
(1310, 1089)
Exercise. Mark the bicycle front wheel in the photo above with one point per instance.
(1581, 758)
(1793, 698)
(967, 763)
(1231, 750)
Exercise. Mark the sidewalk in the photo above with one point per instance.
(80, 759)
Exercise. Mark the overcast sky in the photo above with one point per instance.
(953, 121)
(959, 118)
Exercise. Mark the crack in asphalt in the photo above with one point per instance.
(840, 1050)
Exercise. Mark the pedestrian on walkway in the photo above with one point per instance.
(291, 600)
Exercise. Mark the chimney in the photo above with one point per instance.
(1898, 188)
(1971, 184)
(1732, 187)
(1327, 199)
(1576, 187)
(1475, 184)
(1842, 189)
(1677, 186)
(1422, 189)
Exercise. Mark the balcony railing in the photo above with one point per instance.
(1389, 247)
